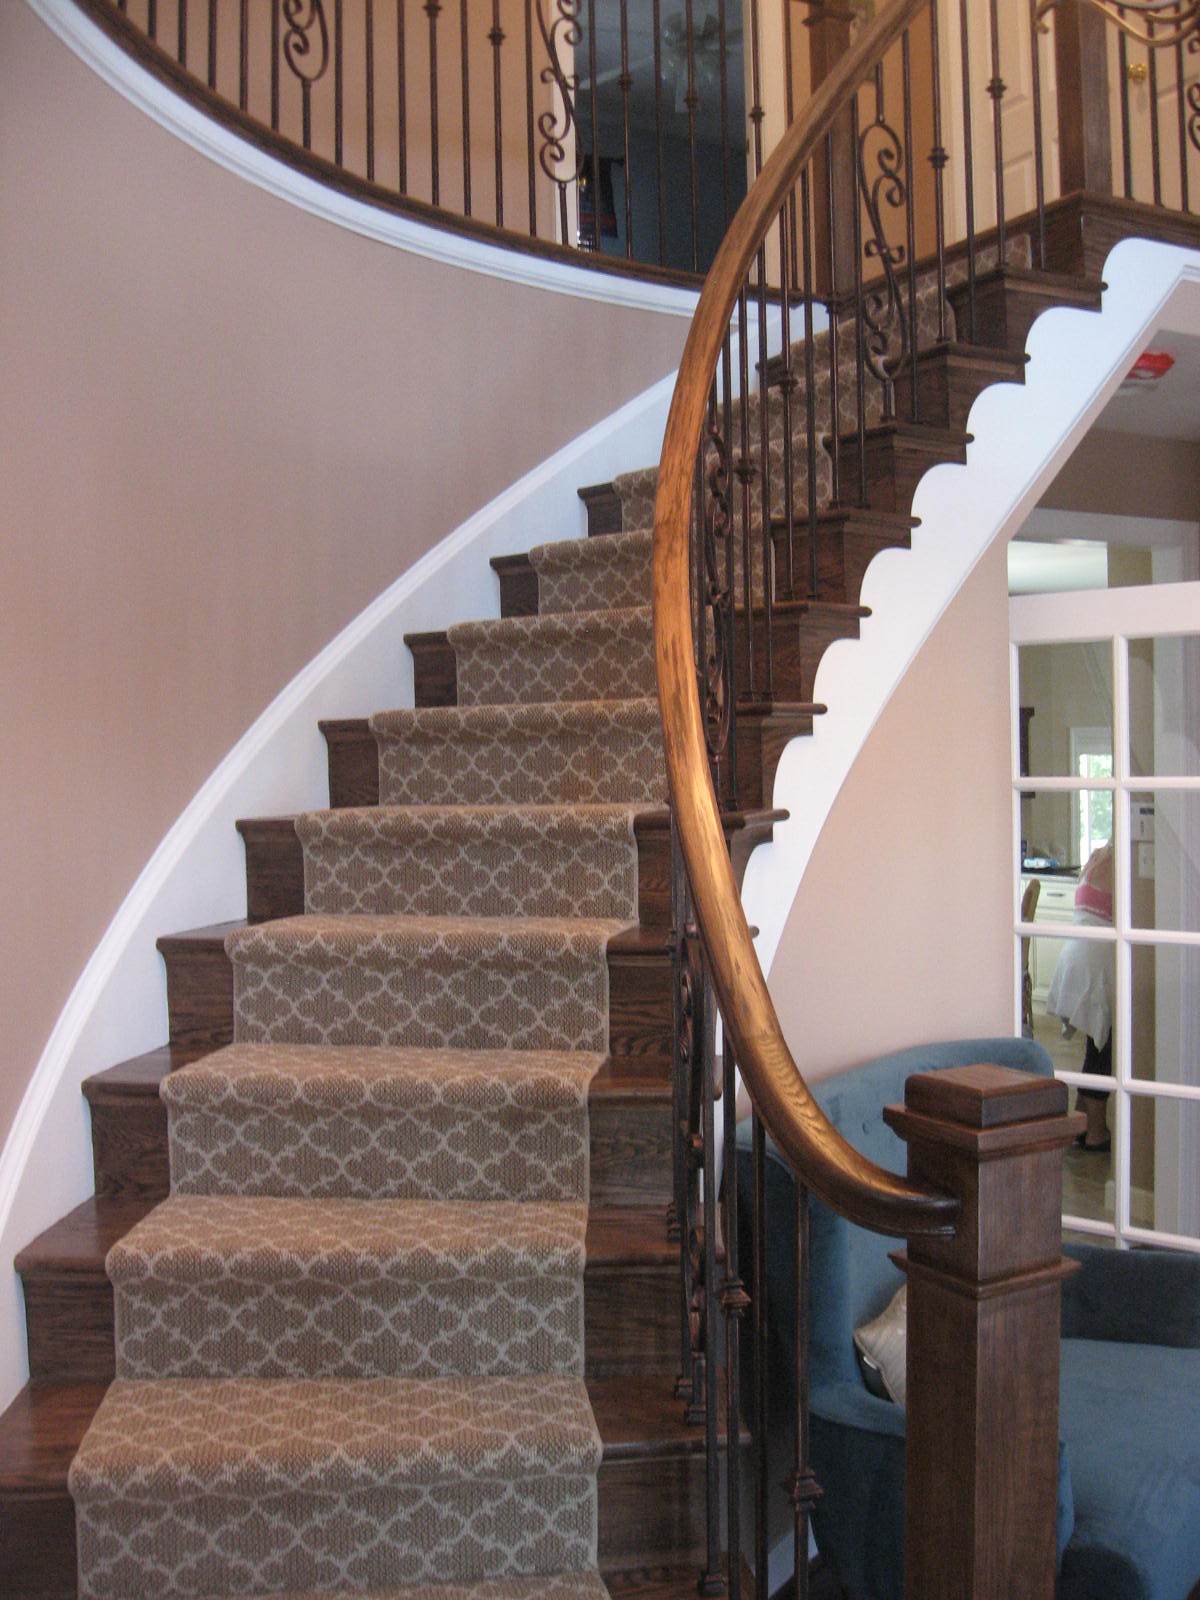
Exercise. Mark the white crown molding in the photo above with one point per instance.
(175, 114)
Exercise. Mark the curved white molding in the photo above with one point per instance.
(196, 876)
(1022, 435)
(153, 97)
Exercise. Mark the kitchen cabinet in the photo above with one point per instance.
(1056, 904)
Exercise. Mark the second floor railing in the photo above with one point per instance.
(627, 131)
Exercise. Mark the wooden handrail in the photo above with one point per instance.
(845, 1180)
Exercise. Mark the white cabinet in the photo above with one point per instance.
(1056, 904)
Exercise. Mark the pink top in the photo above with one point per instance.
(1094, 890)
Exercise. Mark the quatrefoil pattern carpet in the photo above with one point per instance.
(350, 1345)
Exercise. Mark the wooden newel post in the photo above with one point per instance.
(983, 1334)
(1081, 73)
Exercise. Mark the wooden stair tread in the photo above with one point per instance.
(78, 1242)
(629, 1236)
(198, 938)
(675, 1581)
(141, 1075)
(40, 1433)
(614, 1086)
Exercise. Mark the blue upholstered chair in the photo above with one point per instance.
(1129, 1423)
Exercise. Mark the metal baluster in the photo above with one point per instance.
(496, 38)
(464, 47)
(181, 33)
(787, 385)
(402, 95)
(243, 55)
(790, 113)
(370, 70)
(968, 170)
(1039, 164)
(529, 118)
(835, 430)
(910, 240)
(810, 386)
(152, 19)
(711, 1582)
(212, 44)
(734, 1301)
(859, 330)
(626, 83)
(700, 629)
(724, 75)
(677, 1216)
(937, 160)
(274, 61)
(339, 94)
(595, 107)
(1183, 139)
(761, 1382)
(1126, 133)
(764, 435)
(1155, 151)
(745, 472)
(731, 630)
(804, 1488)
(432, 8)
(658, 134)
(996, 89)
(691, 100)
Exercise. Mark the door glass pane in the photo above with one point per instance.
(1164, 694)
(1165, 1010)
(1164, 1165)
(1165, 869)
(1071, 999)
(1061, 831)
(1066, 689)
(1088, 1189)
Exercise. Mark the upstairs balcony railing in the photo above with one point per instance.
(626, 132)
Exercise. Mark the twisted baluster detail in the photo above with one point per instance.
(716, 673)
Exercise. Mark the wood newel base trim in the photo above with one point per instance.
(1081, 74)
(983, 1334)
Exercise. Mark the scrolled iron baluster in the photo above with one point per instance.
(1179, 20)
(303, 18)
(566, 29)
(716, 672)
(885, 323)
(1193, 100)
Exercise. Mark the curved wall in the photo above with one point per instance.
(225, 426)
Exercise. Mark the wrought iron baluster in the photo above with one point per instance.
(692, 100)
(402, 97)
(625, 83)
(764, 510)
(1155, 150)
(152, 19)
(996, 89)
(369, 65)
(432, 11)
(496, 39)
(1126, 125)
(746, 473)
(860, 367)
(274, 62)
(243, 54)
(787, 387)
(181, 33)
(306, 51)
(711, 1582)
(1039, 161)
(212, 44)
(810, 384)
(731, 765)
(465, 49)
(937, 160)
(564, 31)
(1183, 144)
(734, 1303)
(715, 596)
(529, 119)
(968, 168)
(910, 243)
(835, 432)
(805, 1491)
(886, 323)
(761, 1325)
(723, 70)
(656, 20)
(594, 88)
(339, 88)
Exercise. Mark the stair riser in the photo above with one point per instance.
(72, 1325)
(375, 1325)
(353, 762)
(37, 1547)
(1006, 309)
(639, 1004)
(518, 586)
(948, 384)
(613, 665)
(894, 468)
(630, 1154)
(797, 647)
(843, 556)
(365, 1539)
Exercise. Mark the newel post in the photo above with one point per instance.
(983, 1334)
(1081, 73)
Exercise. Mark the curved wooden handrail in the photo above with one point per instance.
(847, 1181)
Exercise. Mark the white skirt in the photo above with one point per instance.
(1081, 990)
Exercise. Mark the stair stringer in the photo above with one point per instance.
(196, 875)
(1021, 437)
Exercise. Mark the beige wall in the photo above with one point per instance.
(901, 932)
(224, 427)
(1125, 474)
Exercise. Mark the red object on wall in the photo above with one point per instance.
(1146, 371)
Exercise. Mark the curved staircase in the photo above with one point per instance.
(406, 1312)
